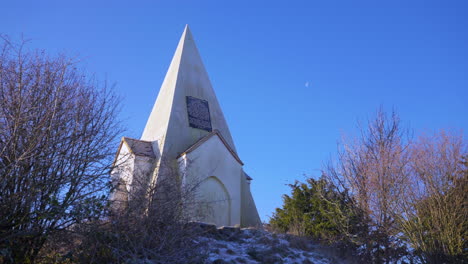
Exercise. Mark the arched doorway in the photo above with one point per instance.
(214, 204)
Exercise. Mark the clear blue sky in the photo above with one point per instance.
(291, 76)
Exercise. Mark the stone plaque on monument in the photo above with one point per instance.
(198, 113)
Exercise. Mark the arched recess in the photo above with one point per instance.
(214, 202)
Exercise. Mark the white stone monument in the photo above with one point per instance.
(186, 130)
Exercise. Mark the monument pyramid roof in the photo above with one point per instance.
(186, 108)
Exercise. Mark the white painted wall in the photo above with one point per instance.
(124, 166)
(213, 159)
(131, 170)
(143, 171)
(121, 177)
(249, 213)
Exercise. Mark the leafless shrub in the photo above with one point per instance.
(152, 228)
(373, 169)
(435, 212)
(56, 133)
(411, 191)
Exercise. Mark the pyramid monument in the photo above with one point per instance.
(186, 132)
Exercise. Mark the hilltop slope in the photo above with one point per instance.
(243, 245)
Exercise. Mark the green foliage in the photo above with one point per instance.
(319, 210)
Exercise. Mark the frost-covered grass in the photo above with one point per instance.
(236, 245)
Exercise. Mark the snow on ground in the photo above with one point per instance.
(236, 245)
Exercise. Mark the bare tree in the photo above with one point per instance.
(373, 169)
(435, 212)
(411, 191)
(57, 127)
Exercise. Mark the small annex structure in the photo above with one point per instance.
(187, 130)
